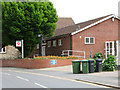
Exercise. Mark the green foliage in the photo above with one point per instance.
(25, 20)
(95, 65)
(110, 63)
(98, 55)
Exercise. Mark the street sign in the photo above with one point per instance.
(18, 43)
(53, 62)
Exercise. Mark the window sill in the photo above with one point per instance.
(59, 45)
(2, 52)
(89, 43)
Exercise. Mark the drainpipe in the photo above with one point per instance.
(70, 43)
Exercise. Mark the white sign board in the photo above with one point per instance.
(18, 43)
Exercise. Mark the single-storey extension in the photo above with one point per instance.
(85, 39)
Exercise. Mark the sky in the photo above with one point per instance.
(83, 10)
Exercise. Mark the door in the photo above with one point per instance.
(43, 50)
(110, 50)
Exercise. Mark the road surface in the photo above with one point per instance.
(23, 78)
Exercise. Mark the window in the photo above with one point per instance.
(60, 42)
(3, 50)
(89, 40)
(49, 43)
(54, 43)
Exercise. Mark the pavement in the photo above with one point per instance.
(109, 78)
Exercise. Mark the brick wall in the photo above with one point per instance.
(11, 52)
(34, 64)
(105, 31)
(58, 49)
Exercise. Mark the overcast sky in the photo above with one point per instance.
(83, 10)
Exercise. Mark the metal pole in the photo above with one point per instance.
(39, 47)
(90, 54)
(22, 50)
(68, 52)
(41, 44)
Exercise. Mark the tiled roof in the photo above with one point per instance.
(73, 28)
(64, 22)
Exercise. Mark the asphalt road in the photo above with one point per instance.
(21, 78)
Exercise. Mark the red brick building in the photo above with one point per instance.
(97, 35)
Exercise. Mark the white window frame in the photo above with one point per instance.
(54, 43)
(48, 43)
(3, 51)
(89, 40)
(59, 42)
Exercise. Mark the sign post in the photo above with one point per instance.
(22, 50)
(19, 43)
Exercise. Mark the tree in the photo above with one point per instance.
(25, 20)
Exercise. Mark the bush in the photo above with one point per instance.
(94, 65)
(98, 55)
(110, 63)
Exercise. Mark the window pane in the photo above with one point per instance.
(110, 44)
(59, 42)
(49, 43)
(54, 43)
(87, 40)
(4, 49)
(91, 40)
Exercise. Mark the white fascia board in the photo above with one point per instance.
(73, 33)
(117, 17)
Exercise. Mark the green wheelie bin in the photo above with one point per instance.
(85, 66)
(76, 66)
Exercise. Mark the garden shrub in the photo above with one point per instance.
(98, 55)
(94, 65)
(110, 63)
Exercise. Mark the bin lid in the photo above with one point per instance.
(76, 61)
(84, 60)
(92, 60)
(99, 59)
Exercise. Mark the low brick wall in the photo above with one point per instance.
(34, 64)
